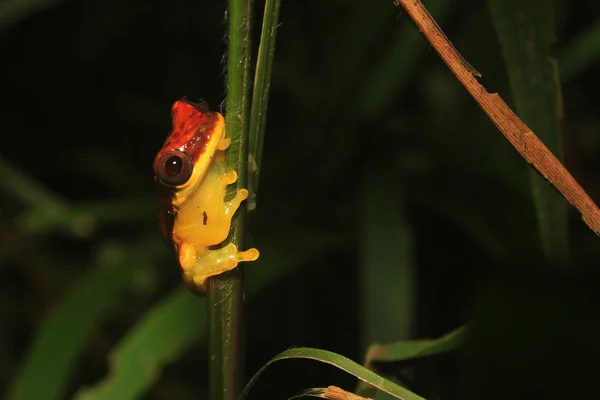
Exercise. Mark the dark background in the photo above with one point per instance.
(87, 88)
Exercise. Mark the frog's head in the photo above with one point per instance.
(185, 156)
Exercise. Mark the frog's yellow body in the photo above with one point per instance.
(192, 177)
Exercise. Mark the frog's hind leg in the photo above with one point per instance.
(207, 263)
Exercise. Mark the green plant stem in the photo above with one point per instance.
(260, 95)
(225, 314)
(225, 292)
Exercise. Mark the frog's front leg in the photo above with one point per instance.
(231, 206)
(200, 263)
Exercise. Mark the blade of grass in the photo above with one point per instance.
(225, 292)
(342, 363)
(133, 368)
(387, 270)
(52, 355)
(156, 340)
(260, 95)
(413, 349)
(386, 263)
(406, 350)
(526, 33)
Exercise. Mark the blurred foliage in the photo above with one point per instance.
(526, 32)
(359, 109)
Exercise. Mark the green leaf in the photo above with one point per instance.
(59, 341)
(155, 341)
(526, 32)
(342, 363)
(412, 349)
(387, 270)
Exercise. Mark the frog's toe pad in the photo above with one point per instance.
(249, 255)
(242, 195)
(229, 177)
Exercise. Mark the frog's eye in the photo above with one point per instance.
(174, 168)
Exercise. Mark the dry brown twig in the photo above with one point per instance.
(514, 130)
(332, 393)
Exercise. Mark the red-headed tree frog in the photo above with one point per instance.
(192, 176)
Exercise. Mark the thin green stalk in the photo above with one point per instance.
(526, 32)
(225, 314)
(260, 96)
(225, 292)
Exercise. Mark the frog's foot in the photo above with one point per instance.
(199, 263)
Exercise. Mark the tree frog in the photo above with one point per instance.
(191, 176)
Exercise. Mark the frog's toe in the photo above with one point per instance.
(242, 195)
(229, 177)
(223, 143)
(249, 255)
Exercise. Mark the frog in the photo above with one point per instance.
(192, 178)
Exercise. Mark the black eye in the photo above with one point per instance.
(174, 168)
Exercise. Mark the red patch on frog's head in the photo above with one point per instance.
(193, 128)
